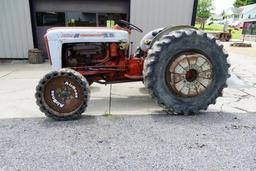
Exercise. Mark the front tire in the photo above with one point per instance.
(63, 95)
(186, 71)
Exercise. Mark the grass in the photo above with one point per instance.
(236, 34)
(107, 114)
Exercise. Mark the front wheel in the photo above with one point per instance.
(63, 95)
(186, 71)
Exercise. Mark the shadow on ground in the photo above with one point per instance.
(202, 118)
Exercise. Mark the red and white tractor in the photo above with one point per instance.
(184, 69)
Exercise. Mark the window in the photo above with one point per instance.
(77, 18)
(254, 28)
(249, 28)
(103, 17)
(50, 18)
(80, 19)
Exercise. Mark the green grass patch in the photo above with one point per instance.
(107, 114)
(213, 27)
(236, 34)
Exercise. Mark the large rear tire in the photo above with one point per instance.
(63, 95)
(186, 71)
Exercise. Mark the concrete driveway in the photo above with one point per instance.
(138, 135)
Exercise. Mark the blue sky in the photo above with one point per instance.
(220, 5)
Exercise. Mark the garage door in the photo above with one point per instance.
(52, 13)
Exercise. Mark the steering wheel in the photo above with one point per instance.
(131, 26)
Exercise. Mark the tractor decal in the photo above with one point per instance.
(110, 35)
(67, 35)
(73, 87)
(77, 35)
(59, 104)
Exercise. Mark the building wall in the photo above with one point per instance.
(153, 14)
(15, 29)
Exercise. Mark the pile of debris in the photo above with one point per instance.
(241, 44)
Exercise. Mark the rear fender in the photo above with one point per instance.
(169, 29)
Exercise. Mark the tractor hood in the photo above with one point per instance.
(86, 34)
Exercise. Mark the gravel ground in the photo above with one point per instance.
(209, 141)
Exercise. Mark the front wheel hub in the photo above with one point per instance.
(63, 95)
(190, 74)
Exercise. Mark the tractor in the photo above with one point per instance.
(184, 69)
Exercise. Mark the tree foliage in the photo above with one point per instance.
(239, 3)
(204, 11)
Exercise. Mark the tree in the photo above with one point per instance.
(239, 3)
(204, 11)
(223, 14)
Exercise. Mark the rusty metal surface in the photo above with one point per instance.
(222, 36)
(189, 75)
(63, 95)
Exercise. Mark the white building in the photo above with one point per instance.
(233, 14)
(248, 12)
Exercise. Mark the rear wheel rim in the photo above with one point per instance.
(63, 95)
(190, 74)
